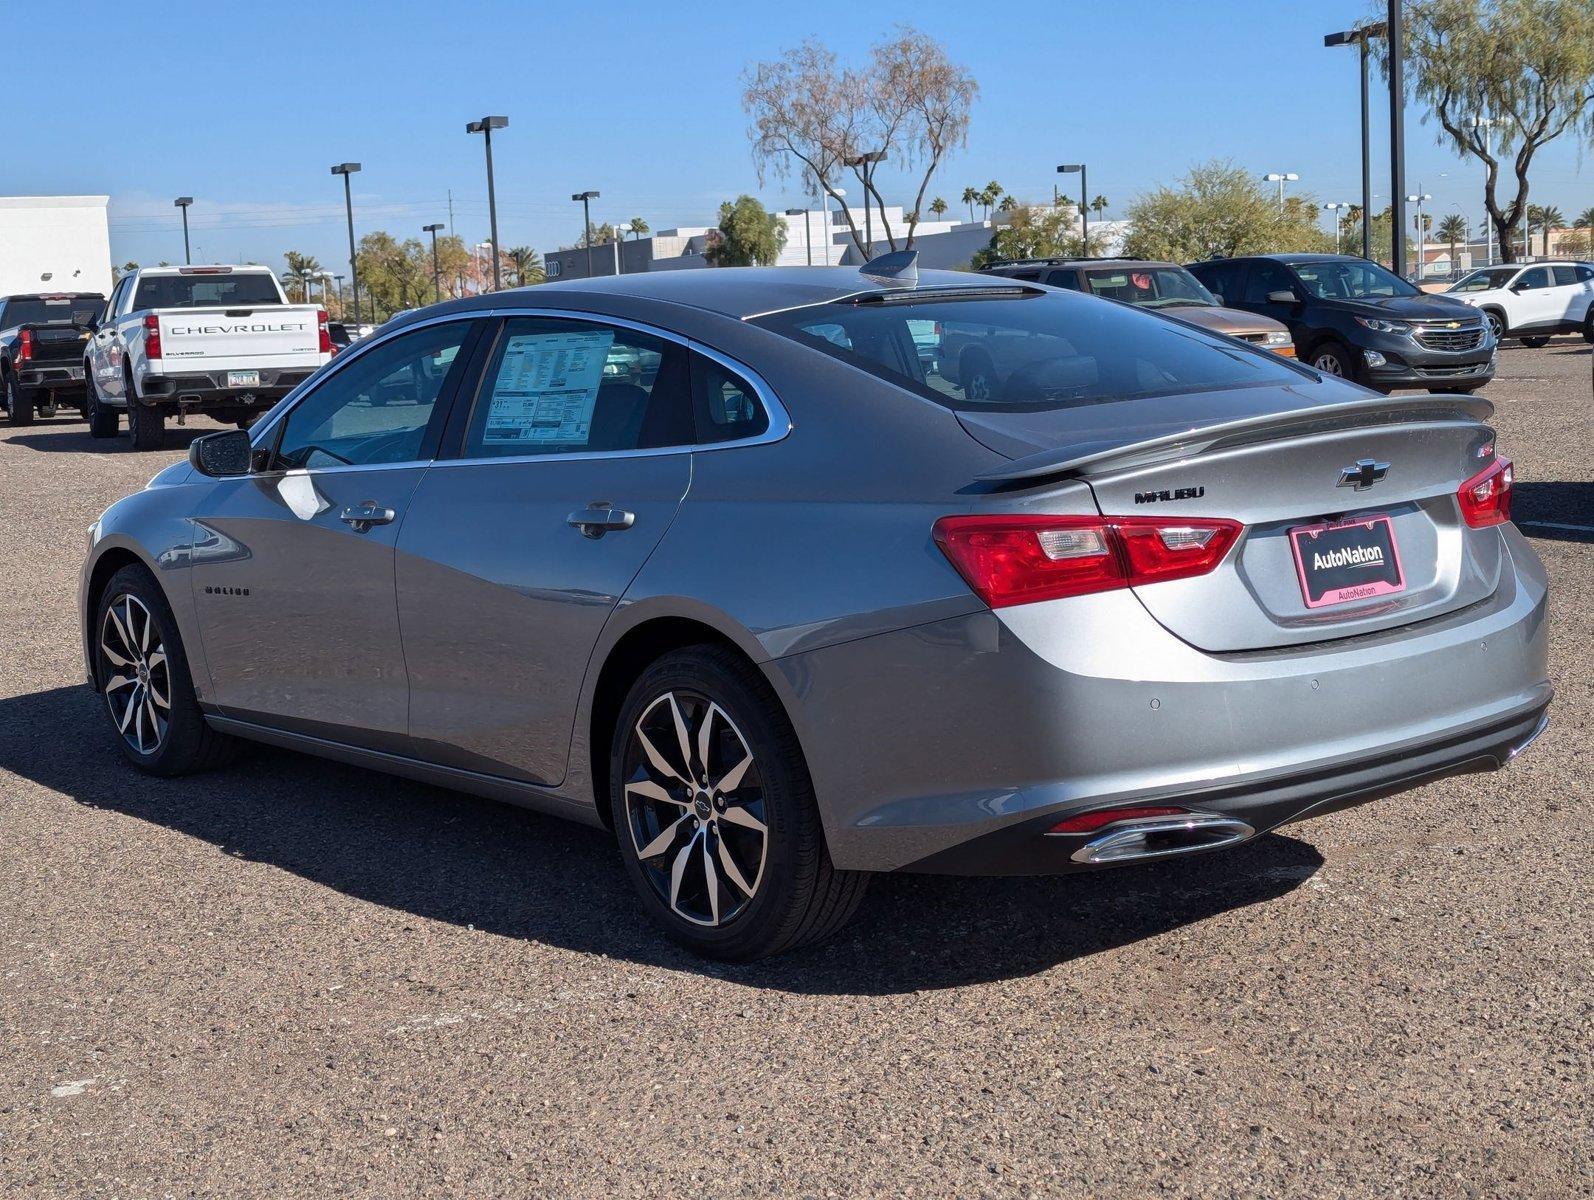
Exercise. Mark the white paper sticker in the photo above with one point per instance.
(546, 389)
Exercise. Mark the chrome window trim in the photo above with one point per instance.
(780, 422)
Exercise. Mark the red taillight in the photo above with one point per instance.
(326, 337)
(1092, 821)
(152, 336)
(1018, 559)
(25, 346)
(1486, 497)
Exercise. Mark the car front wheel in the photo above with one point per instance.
(715, 812)
(142, 673)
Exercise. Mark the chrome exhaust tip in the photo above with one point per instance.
(1161, 837)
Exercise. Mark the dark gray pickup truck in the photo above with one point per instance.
(41, 352)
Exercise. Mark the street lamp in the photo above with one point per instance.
(437, 275)
(339, 280)
(864, 164)
(1281, 178)
(183, 202)
(1421, 238)
(1334, 208)
(345, 170)
(1084, 209)
(485, 127)
(586, 219)
(1358, 37)
(808, 237)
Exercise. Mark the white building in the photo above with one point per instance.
(54, 244)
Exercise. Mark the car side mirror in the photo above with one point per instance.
(1218, 296)
(221, 455)
(1281, 296)
(1519, 287)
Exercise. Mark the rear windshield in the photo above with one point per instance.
(206, 291)
(1036, 351)
(1150, 287)
(49, 310)
(1486, 280)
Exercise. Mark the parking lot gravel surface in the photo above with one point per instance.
(292, 978)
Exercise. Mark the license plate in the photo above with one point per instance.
(243, 379)
(1344, 561)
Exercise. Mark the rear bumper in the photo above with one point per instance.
(211, 390)
(62, 377)
(954, 746)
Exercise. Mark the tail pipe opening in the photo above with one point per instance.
(1137, 838)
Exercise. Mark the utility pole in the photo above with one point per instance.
(437, 275)
(1084, 209)
(1417, 225)
(1397, 138)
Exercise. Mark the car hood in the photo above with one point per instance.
(1231, 321)
(1427, 307)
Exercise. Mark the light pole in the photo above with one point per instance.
(1281, 178)
(437, 275)
(1397, 136)
(183, 202)
(841, 194)
(808, 236)
(1084, 209)
(339, 280)
(1422, 240)
(345, 170)
(1334, 208)
(485, 127)
(865, 164)
(1358, 37)
(586, 199)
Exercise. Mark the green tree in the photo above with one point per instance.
(1008, 204)
(1453, 231)
(1526, 64)
(637, 227)
(296, 279)
(938, 206)
(1585, 219)
(1099, 205)
(748, 235)
(1037, 231)
(528, 266)
(1550, 219)
(396, 276)
(129, 267)
(971, 197)
(1220, 209)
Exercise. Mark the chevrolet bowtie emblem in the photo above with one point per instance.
(1453, 325)
(1363, 474)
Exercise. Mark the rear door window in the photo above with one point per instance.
(1565, 276)
(1065, 279)
(1532, 279)
(1267, 277)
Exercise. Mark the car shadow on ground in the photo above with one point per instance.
(1544, 511)
(72, 437)
(447, 857)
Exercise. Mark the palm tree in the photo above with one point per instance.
(938, 206)
(971, 198)
(638, 227)
(1453, 229)
(528, 265)
(989, 195)
(1008, 204)
(1099, 205)
(1585, 219)
(1550, 218)
(301, 267)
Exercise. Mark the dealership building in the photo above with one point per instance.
(54, 244)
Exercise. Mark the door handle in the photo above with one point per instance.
(599, 518)
(366, 514)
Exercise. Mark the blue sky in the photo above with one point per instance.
(245, 107)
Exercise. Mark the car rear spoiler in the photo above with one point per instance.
(1092, 457)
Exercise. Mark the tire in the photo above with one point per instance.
(1337, 359)
(137, 650)
(47, 410)
(19, 403)
(1588, 325)
(1533, 343)
(146, 424)
(1497, 325)
(732, 887)
(103, 422)
(977, 376)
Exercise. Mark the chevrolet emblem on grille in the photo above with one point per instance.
(1363, 474)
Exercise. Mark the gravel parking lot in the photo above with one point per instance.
(298, 978)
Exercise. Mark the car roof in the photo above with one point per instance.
(739, 292)
(1085, 264)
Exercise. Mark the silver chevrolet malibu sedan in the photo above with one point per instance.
(790, 576)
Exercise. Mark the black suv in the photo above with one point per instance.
(1353, 318)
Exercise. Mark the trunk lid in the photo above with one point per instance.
(242, 338)
(1276, 468)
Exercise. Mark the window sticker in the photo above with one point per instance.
(546, 389)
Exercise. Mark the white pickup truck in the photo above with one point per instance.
(222, 341)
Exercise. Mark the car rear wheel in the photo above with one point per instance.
(19, 403)
(715, 812)
(1533, 343)
(977, 375)
(142, 673)
(103, 421)
(146, 425)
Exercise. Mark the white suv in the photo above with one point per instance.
(1532, 301)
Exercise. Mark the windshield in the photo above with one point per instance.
(1486, 280)
(1150, 287)
(1037, 351)
(49, 310)
(1339, 280)
(254, 288)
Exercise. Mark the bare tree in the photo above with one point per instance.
(909, 105)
